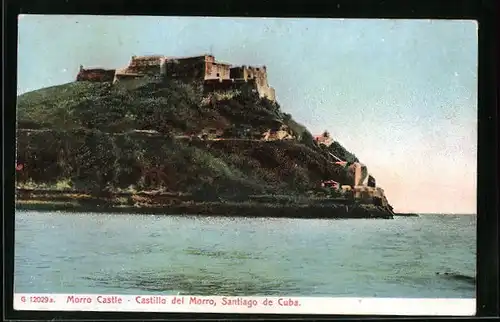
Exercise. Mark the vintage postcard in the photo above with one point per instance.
(246, 165)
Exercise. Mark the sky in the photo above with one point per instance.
(400, 94)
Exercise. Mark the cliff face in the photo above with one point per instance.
(84, 133)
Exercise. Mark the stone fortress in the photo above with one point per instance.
(214, 75)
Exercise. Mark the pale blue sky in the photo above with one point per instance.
(400, 94)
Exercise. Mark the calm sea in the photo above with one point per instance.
(147, 254)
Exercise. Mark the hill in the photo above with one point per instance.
(147, 104)
(82, 133)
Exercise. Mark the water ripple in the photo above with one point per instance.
(201, 282)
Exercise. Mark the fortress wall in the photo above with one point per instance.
(281, 134)
(150, 65)
(187, 69)
(368, 194)
(238, 73)
(258, 75)
(271, 94)
(212, 85)
(267, 92)
(217, 71)
(96, 75)
(359, 173)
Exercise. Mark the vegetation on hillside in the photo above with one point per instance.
(94, 160)
(166, 106)
(91, 144)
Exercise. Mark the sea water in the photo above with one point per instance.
(151, 254)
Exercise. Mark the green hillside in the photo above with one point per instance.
(89, 142)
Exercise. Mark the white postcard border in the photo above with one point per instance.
(247, 305)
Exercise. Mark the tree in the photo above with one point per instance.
(307, 139)
(286, 117)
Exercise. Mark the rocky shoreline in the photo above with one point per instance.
(321, 208)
